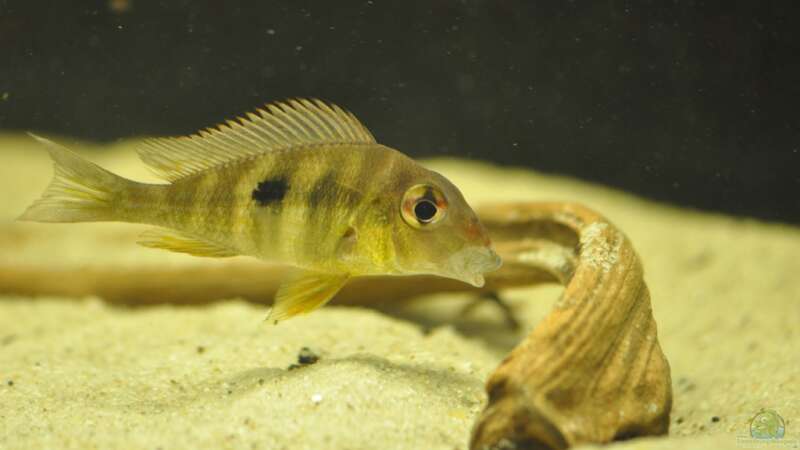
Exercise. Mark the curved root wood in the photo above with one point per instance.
(593, 370)
(31, 271)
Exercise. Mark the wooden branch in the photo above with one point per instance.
(31, 265)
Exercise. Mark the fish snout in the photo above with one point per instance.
(471, 263)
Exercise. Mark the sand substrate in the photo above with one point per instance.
(83, 374)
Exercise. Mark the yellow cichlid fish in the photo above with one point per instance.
(301, 183)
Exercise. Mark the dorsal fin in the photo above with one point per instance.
(276, 126)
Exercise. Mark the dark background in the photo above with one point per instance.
(691, 102)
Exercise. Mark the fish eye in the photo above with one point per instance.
(425, 211)
(423, 206)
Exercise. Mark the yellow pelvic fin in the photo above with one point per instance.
(180, 243)
(304, 293)
(275, 127)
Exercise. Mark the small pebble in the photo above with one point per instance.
(306, 356)
(201, 349)
(715, 419)
(10, 382)
(316, 398)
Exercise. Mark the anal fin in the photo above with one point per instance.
(181, 243)
(305, 292)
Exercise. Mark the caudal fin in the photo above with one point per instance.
(79, 192)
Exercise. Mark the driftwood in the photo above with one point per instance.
(591, 372)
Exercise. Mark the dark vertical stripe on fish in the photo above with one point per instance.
(321, 203)
(240, 219)
(323, 192)
(284, 166)
(329, 202)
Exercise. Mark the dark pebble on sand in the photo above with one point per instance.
(306, 357)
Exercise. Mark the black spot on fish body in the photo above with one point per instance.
(270, 191)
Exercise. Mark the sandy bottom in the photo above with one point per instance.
(78, 373)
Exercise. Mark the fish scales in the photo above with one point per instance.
(301, 183)
(331, 200)
(325, 187)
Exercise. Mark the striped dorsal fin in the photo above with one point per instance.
(276, 126)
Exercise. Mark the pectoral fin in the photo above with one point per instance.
(176, 242)
(304, 293)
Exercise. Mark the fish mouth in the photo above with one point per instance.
(469, 264)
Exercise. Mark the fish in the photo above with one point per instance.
(300, 182)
